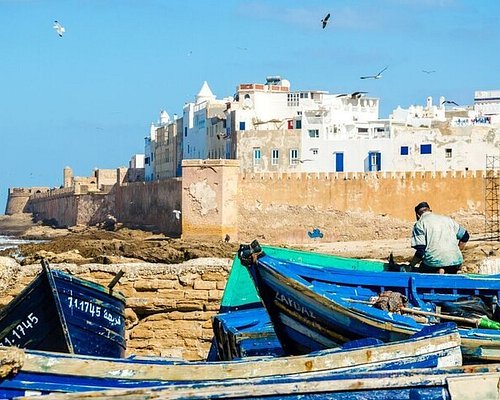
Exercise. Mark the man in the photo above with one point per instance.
(438, 241)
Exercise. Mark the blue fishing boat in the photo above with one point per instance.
(460, 383)
(61, 313)
(243, 328)
(42, 372)
(245, 333)
(315, 307)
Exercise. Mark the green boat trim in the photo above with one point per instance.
(240, 292)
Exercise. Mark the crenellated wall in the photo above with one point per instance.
(394, 194)
(18, 198)
(215, 199)
(65, 208)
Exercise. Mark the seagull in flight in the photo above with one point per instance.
(354, 95)
(324, 21)
(427, 71)
(450, 102)
(59, 28)
(378, 76)
(177, 214)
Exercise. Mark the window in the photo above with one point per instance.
(242, 125)
(275, 155)
(313, 133)
(298, 124)
(185, 131)
(339, 161)
(374, 161)
(314, 151)
(146, 160)
(294, 156)
(404, 150)
(362, 130)
(256, 156)
(426, 149)
(448, 153)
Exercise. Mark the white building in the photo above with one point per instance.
(487, 106)
(137, 161)
(270, 128)
(199, 118)
(306, 130)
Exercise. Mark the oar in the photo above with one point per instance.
(483, 322)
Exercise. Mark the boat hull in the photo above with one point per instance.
(61, 313)
(313, 308)
(43, 372)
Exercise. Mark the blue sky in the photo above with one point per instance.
(86, 100)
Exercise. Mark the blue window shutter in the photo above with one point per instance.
(426, 149)
(242, 125)
(339, 162)
(404, 150)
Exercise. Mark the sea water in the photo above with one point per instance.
(9, 242)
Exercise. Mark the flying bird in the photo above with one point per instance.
(450, 102)
(324, 21)
(428, 72)
(378, 76)
(177, 214)
(59, 28)
(353, 95)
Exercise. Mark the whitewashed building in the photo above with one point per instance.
(202, 126)
(270, 128)
(306, 130)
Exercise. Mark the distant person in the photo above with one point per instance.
(438, 241)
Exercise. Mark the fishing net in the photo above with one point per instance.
(467, 307)
(391, 301)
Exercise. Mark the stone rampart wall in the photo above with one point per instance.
(215, 200)
(169, 307)
(150, 205)
(18, 198)
(394, 194)
(69, 209)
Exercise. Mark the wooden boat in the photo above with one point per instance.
(245, 333)
(315, 307)
(240, 291)
(241, 333)
(43, 372)
(460, 383)
(61, 313)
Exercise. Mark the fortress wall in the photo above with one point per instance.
(210, 199)
(150, 205)
(69, 209)
(216, 199)
(18, 198)
(394, 194)
(61, 208)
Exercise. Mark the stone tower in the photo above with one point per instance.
(67, 177)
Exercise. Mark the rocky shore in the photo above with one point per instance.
(174, 287)
(83, 245)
